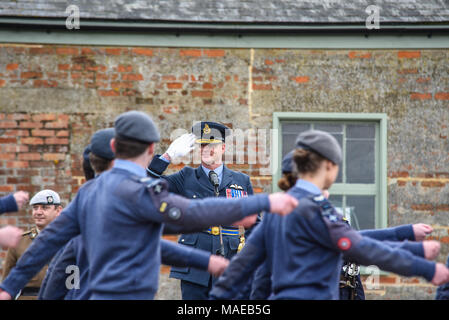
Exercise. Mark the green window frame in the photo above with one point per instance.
(378, 189)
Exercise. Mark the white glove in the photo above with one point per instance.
(181, 146)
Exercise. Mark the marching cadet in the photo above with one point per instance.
(303, 251)
(122, 237)
(46, 206)
(197, 183)
(101, 158)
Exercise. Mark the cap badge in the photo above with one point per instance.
(206, 129)
(49, 199)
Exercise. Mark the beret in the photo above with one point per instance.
(287, 162)
(45, 197)
(136, 125)
(322, 143)
(100, 143)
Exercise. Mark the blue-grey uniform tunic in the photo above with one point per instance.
(8, 204)
(194, 183)
(120, 219)
(304, 252)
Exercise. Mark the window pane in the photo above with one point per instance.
(329, 127)
(362, 210)
(361, 131)
(360, 166)
(290, 132)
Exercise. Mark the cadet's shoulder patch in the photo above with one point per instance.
(344, 243)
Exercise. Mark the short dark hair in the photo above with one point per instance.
(98, 163)
(126, 148)
(306, 161)
(87, 169)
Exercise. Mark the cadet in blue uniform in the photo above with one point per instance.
(54, 286)
(443, 290)
(304, 250)
(122, 237)
(195, 183)
(396, 236)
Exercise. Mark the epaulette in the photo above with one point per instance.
(32, 232)
(156, 184)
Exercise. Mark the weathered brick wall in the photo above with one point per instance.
(53, 97)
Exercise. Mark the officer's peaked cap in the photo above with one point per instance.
(322, 143)
(136, 125)
(210, 132)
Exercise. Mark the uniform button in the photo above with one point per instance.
(194, 196)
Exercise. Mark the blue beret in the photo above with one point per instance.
(100, 143)
(322, 143)
(287, 162)
(210, 132)
(136, 125)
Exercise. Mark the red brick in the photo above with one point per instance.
(67, 51)
(269, 62)
(63, 67)
(12, 66)
(8, 140)
(301, 79)
(168, 78)
(214, 52)
(359, 55)
(174, 85)
(116, 85)
(7, 156)
(399, 174)
(31, 75)
(113, 51)
(42, 50)
(45, 84)
(132, 77)
(122, 68)
(432, 184)
(442, 95)
(142, 51)
(87, 51)
(56, 141)
(108, 93)
(8, 124)
(29, 156)
(17, 164)
(208, 86)
(422, 207)
(16, 133)
(409, 54)
(57, 125)
(32, 141)
(408, 71)
(6, 189)
(44, 117)
(42, 133)
(190, 52)
(420, 96)
(54, 156)
(2, 83)
(262, 86)
(203, 94)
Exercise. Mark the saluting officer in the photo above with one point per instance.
(122, 237)
(46, 206)
(211, 178)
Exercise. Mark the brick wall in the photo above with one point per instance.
(54, 97)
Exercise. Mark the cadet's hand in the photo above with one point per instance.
(180, 147)
(21, 198)
(217, 265)
(441, 274)
(431, 249)
(421, 230)
(5, 295)
(282, 203)
(246, 222)
(10, 236)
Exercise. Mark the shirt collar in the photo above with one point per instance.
(130, 166)
(308, 186)
(218, 170)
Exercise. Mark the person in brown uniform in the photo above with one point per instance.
(46, 206)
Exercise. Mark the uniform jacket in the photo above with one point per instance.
(14, 254)
(314, 239)
(8, 204)
(443, 290)
(122, 238)
(193, 183)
